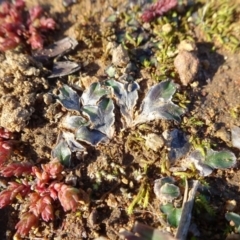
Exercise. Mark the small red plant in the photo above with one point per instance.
(15, 27)
(43, 188)
(41, 205)
(14, 189)
(158, 9)
(28, 220)
(16, 169)
(68, 196)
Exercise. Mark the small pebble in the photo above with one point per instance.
(167, 28)
(231, 205)
(206, 64)
(111, 201)
(47, 98)
(187, 45)
(120, 56)
(124, 180)
(154, 141)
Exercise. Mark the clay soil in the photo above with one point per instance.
(214, 101)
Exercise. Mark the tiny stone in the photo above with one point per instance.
(231, 205)
(93, 216)
(223, 135)
(111, 201)
(109, 48)
(206, 64)
(147, 26)
(167, 28)
(232, 223)
(124, 180)
(187, 45)
(131, 185)
(120, 56)
(225, 67)
(47, 98)
(154, 141)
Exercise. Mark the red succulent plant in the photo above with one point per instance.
(16, 169)
(14, 189)
(41, 205)
(43, 188)
(15, 27)
(27, 221)
(158, 9)
(68, 196)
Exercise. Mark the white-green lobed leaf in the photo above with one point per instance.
(74, 122)
(93, 94)
(197, 159)
(102, 116)
(158, 183)
(173, 214)
(158, 105)
(169, 192)
(220, 160)
(213, 160)
(126, 96)
(72, 143)
(90, 136)
(69, 98)
(231, 216)
(235, 132)
(174, 217)
(62, 152)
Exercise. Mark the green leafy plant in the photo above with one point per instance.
(173, 214)
(165, 190)
(202, 204)
(212, 160)
(142, 197)
(216, 21)
(97, 108)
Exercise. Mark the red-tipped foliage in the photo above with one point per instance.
(15, 27)
(41, 205)
(34, 13)
(42, 177)
(45, 188)
(53, 168)
(16, 169)
(68, 196)
(47, 23)
(158, 9)
(5, 198)
(14, 188)
(49, 171)
(35, 40)
(27, 221)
